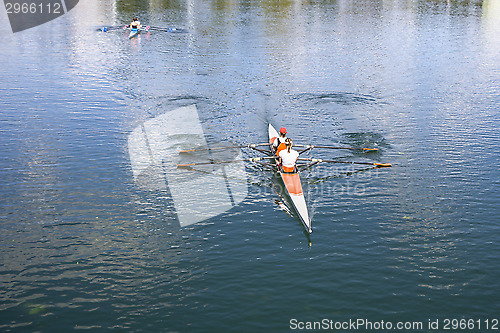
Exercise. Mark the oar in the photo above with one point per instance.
(218, 148)
(318, 160)
(253, 159)
(333, 147)
(168, 29)
(106, 29)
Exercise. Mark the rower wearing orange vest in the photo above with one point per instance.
(279, 143)
(288, 157)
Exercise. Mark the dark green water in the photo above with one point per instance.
(84, 247)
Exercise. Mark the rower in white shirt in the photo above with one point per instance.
(135, 24)
(288, 157)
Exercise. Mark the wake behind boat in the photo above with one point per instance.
(291, 180)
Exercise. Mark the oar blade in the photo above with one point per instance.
(188, 165)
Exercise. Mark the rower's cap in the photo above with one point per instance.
(283, 130)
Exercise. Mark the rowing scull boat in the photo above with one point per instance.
(133, 32)
(293, 186)
(291, 180)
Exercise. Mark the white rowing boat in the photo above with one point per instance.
(133, 32)
(291, 180)
(292, 184)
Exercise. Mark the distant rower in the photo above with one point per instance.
(135, 24)
(288, 156)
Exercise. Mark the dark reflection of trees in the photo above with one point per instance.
(452, 7)
(133, 6)
(281, 9)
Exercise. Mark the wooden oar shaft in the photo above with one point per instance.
(318, 160)
(334, 147)
(219, 148)
(253, 159)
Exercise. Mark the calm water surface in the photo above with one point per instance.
(84, 247)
